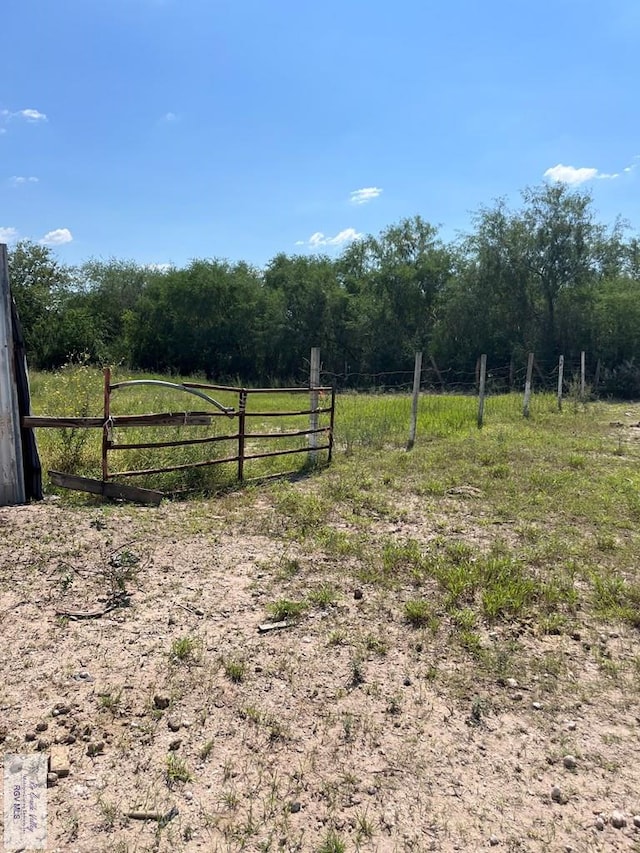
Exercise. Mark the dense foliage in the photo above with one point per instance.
(546, 277)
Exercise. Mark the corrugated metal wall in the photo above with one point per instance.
(12, 488)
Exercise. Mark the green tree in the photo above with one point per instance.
(39, 285)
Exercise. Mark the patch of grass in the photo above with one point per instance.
(235, 669)
(332, 843)
(284, 609)
(176, 770)
(337, 638)
(183, 650)
(323, 596)
(418, 612)
(375, 644)
(110, 702)
(206, 750)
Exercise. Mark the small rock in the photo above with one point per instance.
(295, 807)
(171, 620)
(3, 733)
(618, 820)
(198, 611)
(175, 744)
(83, 675)
(517, 697)
(188, 795)
(576, 635)
(42, 727)
(570, 762)
(173, 724)
(494, 840)
(511, 682)
(42, 745)
(537, 706)
(636, 821)
(95, 748)
(556, 795)
(52, 780)
(572, 725)
(59, 709)
(357, 594)
(30, 736)
(59, 760)
(161, 702)
(407, 682)
(599, 823)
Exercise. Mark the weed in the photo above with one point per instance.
(324, 596)
(176, 770)
(357, 671)
(337, 638)
(332, 844)
(235, 669)
(418, 612)
(375, 644)
(110, 702)
(206, 750)
(364, 826)
(284, 609)
(183, 650)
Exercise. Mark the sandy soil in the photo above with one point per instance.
(350, 722)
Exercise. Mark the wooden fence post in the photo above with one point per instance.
(12, 485)
(560, 379)
(417, 373)
(596, 378)
(106, 426)
(481, 389)
(314, 382)
(527, 387)
(583, 370)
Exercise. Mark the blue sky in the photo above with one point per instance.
(163, 130)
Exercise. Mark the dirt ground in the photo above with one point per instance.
(289, 740)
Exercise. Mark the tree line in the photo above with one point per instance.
(545, 277)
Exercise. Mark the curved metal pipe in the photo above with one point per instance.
(228, 410)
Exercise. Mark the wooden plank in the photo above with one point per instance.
(275, 626)
(161, 419)
(37, 421)
(107, 490)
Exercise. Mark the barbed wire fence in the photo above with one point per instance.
(525, 389)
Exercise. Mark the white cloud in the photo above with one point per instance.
(572, 175)
(8, 235)
(169, 117)
(364, 195)
(18, 180)
(57, 237)
(31, 115)
(319, 239)
(633, 165)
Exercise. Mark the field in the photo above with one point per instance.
(460, 666)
